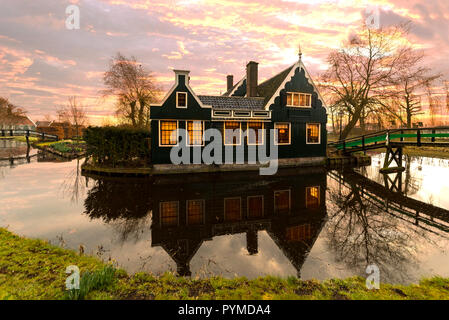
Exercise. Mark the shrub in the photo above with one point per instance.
(114, 146)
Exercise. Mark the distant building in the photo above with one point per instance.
(64, 130)
(18, 123)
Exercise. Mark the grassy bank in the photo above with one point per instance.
(65, 148)
(33, 269)
(442, 153)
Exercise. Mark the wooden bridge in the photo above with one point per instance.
(28, 133)
(393, 141)
(427, 216)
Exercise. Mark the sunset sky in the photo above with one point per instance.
(42, 62)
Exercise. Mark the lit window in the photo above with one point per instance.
(195, 212)
(255, 133)
(195, 131)
(282, 201)
(181, 99)
(299, 233)
(255, 207)
(232, 133)
(169, 213)
(313, 133)
(168, 133)
(232, 209)
(282, 133)
(303, 100)
(312, 197)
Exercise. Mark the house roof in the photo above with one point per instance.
(269, 87)
(43, 123)
(223, 102)
(235, 87)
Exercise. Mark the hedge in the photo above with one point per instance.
(118, 146)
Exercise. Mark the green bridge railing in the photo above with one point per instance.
(380, 139)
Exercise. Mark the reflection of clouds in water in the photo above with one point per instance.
(230, 257)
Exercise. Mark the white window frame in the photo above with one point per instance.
(160, 212)
(263, 204)
(319, 133)
(289, 199)
(160, 135)
(263, 134)
(187, 96)
(289, 134)
(204, 210)
(224, 206)
(299, 99)
(188, 136)
(224, 134)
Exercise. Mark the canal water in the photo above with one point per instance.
(308, 223)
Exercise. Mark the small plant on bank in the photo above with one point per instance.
(90, 281)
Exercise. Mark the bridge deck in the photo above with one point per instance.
(435, 137)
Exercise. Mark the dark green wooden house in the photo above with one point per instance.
(288, 105)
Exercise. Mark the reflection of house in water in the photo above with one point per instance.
(291, 209)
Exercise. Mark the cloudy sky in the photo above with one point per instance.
(42, 62)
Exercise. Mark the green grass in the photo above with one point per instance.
(64, 146)
(33, 269)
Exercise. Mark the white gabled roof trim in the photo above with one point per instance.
(178, 73)
(288, 78)
(237, 86)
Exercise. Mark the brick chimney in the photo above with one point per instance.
(251, 79)
(230, 82)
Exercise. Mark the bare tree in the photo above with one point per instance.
(365, 65)
(73, 113)
(134, 88)
(9, 113)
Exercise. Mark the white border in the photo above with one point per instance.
(187, 96)
(300, 93)
(247, 133)
(289, 134)
(160, 136)
(319, 131)
(202, 134)
(224, 133)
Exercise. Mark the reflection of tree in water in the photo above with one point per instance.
(74, 185)
(361, 233)
(124, 204)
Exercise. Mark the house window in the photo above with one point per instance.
(181, 100)
(255, 206)
(233, 209)
(195, 212)
(169, 212)
(313, 133)
(282, 201)
(299, 233)
(312, 197)
(282, 133)
(255, 133)
(232, 133)
(195, 133)
(168, 133)
(303, 100)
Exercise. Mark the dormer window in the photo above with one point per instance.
(181, 99)
(300, 100)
